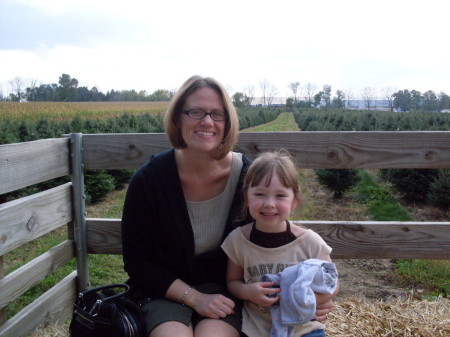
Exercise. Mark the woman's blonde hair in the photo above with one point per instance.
(173, 114)
(268, 164)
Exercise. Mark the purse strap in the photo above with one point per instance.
(93, 311)
(110, 286)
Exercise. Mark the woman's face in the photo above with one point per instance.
(203, 134)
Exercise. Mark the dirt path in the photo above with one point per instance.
(369, 279)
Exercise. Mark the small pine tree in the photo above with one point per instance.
(412, 184)
(121, 177)
(337, 180)
(98, 184)
(439, 191)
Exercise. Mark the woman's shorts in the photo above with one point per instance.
(161, 310)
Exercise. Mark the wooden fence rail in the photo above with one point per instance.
(28, 218)
(350, 240)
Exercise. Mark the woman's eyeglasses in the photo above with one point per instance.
(217, 116)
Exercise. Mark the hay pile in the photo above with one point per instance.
(353, 317)
(52, 331)
(402, 318)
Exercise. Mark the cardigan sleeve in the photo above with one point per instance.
(139, 235)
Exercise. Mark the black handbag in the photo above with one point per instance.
(104, 312)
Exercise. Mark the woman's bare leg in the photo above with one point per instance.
(214, 328)
(171, 329)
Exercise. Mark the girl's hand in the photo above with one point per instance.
(322, 310)
(324, 305)
(259, 293)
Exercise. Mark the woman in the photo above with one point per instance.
(179, 208)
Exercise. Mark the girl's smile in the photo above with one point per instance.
(270, 205)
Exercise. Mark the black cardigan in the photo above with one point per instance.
(157, 237)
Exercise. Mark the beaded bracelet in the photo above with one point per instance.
(186, 292)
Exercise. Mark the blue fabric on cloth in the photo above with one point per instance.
(315, 333)
(297, 284)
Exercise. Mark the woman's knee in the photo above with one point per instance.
(215, 327)
(172, 328)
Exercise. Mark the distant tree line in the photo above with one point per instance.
(311, 97)
(405, 100)
(306, 96)
(402, 100)
(67, 90)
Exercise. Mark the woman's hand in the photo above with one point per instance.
(210, 305)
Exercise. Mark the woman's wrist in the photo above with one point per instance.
(192, 298)
(185, 295)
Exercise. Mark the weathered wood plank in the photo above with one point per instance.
(28, 218)
(118, 151)
(384, 239)
(360, 240)
(25, 164)
(103, 236)
(55, 305)
(321, 149)
(16, 283)
(359, 149)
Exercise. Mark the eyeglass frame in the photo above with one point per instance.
(187, 113)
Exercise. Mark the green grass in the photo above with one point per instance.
(20, 256)
(284, 122)
(432, 275)
(105, 269)
(381, 206)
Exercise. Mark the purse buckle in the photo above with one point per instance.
(94, 310)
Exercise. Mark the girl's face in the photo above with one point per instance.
(271, 205)
(203, 134)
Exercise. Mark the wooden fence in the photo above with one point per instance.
(28, 218)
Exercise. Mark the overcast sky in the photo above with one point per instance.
(150, 45)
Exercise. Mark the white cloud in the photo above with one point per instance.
(146, 45)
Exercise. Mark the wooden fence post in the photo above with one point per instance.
(79, 216)
(2, 274)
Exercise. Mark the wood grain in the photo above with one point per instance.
(25, 164)
(28, 218)
(54, 305)
(27, 276)
(384, 239)
(349, 240)
(103, 236)
(358, 149)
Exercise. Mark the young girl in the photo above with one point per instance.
(270, 244)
